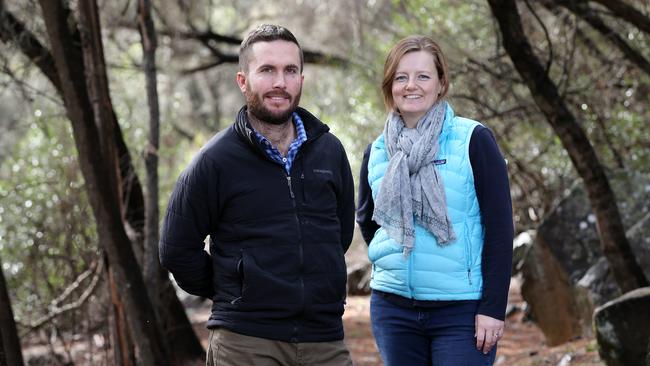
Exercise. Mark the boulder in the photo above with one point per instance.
(623, 328)
(548, 292)
(566, 258)
(639, 237)
(359, 269)
(600, 282)
(571, 236)
(570, 229)
(520, 246)
(359, 278)
(595, 288)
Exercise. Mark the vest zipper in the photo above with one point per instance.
(468, 248)
(408, 273)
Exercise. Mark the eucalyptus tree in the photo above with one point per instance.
(544, 91)
(73, 50)
(85, 52)
(483, 86)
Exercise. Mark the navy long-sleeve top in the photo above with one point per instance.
(493, 194)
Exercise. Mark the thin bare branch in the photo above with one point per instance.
(628, 13)
(582, 10)
(56, 311)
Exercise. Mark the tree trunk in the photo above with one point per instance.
(173, 319)
(123, 347)
(151, 262)
(616, 247)
(10, 353)
(93, 134)
(177, 329)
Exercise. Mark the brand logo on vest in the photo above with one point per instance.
(440, 161)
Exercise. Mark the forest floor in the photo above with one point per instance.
(522, 345)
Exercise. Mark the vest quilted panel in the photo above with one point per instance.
(432, 272)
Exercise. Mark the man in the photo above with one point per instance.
(274, 192)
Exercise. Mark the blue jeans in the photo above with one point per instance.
(437, 336)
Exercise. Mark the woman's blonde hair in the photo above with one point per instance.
(413, 44)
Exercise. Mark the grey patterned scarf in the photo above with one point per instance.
(411, 185)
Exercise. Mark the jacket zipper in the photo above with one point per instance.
(300, 252)
(293, 197)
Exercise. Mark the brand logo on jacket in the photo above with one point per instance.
(323, 171)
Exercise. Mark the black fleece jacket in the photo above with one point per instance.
(276, 266)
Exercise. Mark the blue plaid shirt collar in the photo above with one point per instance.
(274, 154)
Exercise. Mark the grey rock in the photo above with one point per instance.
(549, 293)
(359, 278)
(565, 261)
(623, 328)
(600, 283)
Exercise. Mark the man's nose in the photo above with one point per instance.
(279, 80)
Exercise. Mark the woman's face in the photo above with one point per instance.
(415, 86)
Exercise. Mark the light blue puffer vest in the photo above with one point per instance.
(432, 272)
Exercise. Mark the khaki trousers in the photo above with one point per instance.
(227, 348)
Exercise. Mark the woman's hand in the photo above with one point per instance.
(488, 332)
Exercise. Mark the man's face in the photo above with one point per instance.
(273, 82)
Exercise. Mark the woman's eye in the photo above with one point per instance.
(400, 78)
(424, 77)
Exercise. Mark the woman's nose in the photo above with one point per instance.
(410, 84)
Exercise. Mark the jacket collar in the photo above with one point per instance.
(313, 126)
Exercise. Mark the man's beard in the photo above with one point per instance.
(256, 107)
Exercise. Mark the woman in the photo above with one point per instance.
(435, 208)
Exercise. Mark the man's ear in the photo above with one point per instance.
(241, 81)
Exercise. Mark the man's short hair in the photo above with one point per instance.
(265, 33)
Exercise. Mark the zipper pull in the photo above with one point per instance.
(469, 276)
(290, 189)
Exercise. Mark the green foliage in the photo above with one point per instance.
(604, 91)
(47, 232)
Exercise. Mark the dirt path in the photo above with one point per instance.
(522, 345)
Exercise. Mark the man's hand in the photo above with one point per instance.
(488, 332)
